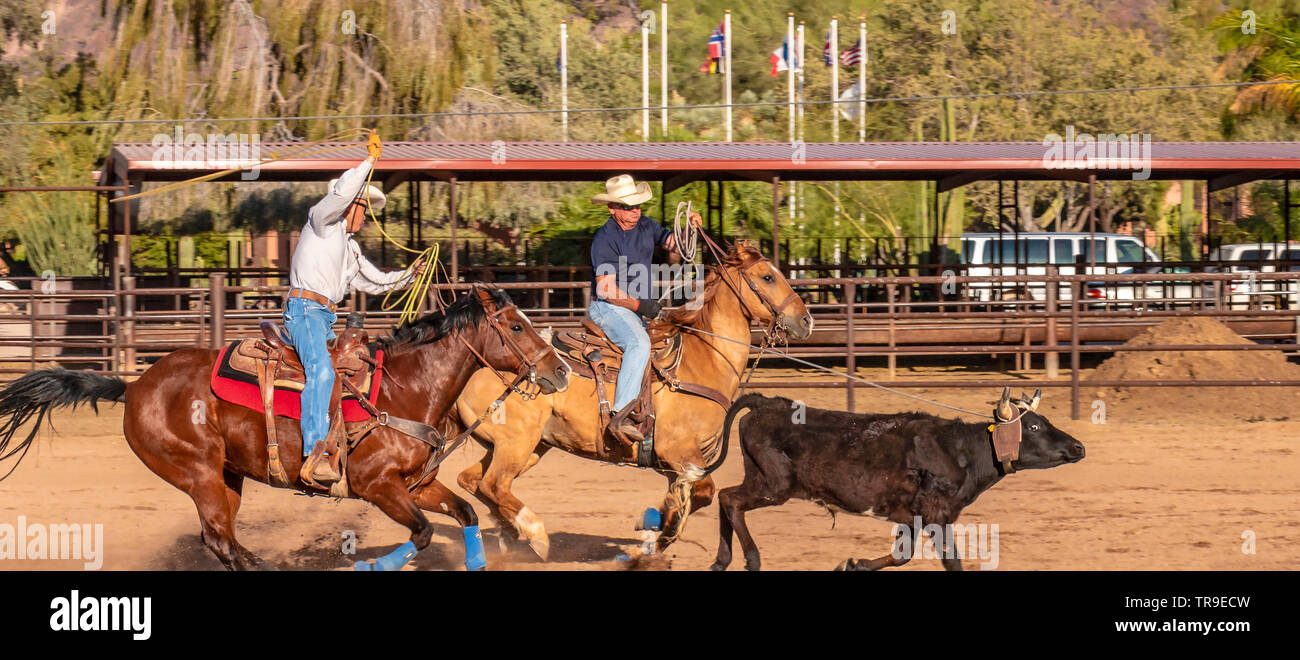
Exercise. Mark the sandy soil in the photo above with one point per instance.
(1157, 491)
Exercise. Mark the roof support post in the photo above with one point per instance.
(776, 220)
(451, 220)
(1092, 226)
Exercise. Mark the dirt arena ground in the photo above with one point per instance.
(1158, 490)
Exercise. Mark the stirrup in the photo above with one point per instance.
(308, 473)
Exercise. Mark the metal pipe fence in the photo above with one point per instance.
(120, 332)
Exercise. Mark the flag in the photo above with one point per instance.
(850, 110)
(852, 56)
(827, 56)
(782, 58)
(717, 42)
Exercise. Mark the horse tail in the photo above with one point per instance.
(39, 392)
(749, 401)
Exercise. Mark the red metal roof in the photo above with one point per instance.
(952, 163)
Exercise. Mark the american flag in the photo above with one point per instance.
(827, 56)
(852, 56)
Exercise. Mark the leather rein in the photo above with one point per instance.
(440, 446)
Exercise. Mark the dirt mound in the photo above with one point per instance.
(1252, 403)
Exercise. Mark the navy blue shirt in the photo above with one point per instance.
(617, 251)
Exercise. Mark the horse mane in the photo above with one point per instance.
(464, 312)
(740, 253)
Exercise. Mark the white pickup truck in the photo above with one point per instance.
(1252, 293)
(1030, 253)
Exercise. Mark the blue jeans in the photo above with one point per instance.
(310, 325)
(627, 331)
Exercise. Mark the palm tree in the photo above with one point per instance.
(1267, 51)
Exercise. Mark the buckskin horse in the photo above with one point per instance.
(427, 363)
(742, 289)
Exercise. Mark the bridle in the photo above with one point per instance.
(742, 269)
(528, 365)
(772, 335)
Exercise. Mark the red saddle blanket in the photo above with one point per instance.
(242, 389)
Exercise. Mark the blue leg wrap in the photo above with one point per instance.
(393, 561)
(652, 520)
(475, 559)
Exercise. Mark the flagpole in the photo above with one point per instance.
(862, 82)
(645, 81)
(789, 64)
(663, 67)
(726, 56)
(564, 78)
(835, 80)
(800, 59)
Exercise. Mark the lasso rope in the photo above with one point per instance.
(841, 374)
(413, 293)
(685, 234)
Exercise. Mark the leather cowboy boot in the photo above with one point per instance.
(316, 472)
(626, 427)
(320, 469)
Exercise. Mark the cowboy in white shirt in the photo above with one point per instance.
(326, 263)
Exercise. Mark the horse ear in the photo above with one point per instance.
(485, 298)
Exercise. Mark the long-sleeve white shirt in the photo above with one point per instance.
(326, 260)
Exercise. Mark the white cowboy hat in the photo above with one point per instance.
(623, 190)
(372, 195)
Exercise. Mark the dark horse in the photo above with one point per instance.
(427, 363)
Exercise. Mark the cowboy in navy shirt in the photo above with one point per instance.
(622, 279)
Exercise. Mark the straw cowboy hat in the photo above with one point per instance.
(623, 190)
(372, 195)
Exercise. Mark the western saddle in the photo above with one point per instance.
(276, 364)
(594, 356)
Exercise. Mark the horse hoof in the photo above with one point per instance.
(540, 546)
(845, 565)
(718, 567)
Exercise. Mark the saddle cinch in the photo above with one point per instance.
(594, 356)
(272, 364)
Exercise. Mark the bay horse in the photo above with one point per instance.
(426, 364)
(742, 289)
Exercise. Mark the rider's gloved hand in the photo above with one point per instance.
(373, 146)
(648, 308)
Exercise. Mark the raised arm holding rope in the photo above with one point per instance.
(327, 262)
(621, 252)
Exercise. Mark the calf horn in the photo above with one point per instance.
(1004, 410)
(1038, 396)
